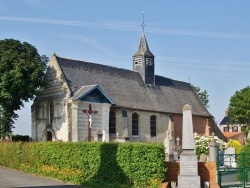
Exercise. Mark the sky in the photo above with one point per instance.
(205, 43)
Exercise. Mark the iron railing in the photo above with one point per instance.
(233, 170)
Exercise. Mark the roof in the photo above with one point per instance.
(225, 121)
(143, 48)
(235, 136)
(127, 89)
(232, 134)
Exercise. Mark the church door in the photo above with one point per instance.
(49, 136)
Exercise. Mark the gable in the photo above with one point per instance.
(225, 121)
(92, 93)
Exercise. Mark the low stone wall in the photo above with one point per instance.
(206, 171)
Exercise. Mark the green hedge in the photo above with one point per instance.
(91, 164)
(22, 138)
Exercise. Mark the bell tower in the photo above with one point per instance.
(143, 60)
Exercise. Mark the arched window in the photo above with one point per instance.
(135, 124)
(49, 136)
(51, 112)
(153, 126)
(112, 122)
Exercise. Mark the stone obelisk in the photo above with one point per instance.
(188, 177)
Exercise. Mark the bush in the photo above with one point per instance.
(243, 161)
(91, 164)
(236, 144)
(202, 144)
(20, 138)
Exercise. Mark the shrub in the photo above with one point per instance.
(21, 138)
(202, 144)
(243, 161)
(236, 144)
(89, 163)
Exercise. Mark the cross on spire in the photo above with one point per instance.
(143, 24)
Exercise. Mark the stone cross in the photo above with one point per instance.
(117, 135)
(178, 141)
(195, 134)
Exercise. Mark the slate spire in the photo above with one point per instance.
(143, 62)
(143, 48)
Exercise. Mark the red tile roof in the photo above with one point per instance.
(231, 134)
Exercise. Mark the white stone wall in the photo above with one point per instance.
(144, 125)
(57, 92)
(61, 124)
(80, 120)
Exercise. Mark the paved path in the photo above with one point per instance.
(13, 178)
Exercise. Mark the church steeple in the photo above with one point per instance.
(143, 62)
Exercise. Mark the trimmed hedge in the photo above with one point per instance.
(91, 164)
(22, 138)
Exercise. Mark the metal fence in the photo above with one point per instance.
(233, 170)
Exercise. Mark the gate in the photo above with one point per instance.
(233, 170)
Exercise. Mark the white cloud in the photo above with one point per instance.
(97, 45)
(228, 65)
(126, 26)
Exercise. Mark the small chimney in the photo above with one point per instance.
(226, 113)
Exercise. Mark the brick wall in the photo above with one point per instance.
(199, 125)
(206, 171)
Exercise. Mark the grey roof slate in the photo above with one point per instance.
(143, 48)
(224, 121)
(127, 89)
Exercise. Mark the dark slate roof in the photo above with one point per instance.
(143, 48)
(225, 121)
(127, 89)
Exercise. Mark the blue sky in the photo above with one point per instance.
(205, 43)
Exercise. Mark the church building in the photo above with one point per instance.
(85, 101)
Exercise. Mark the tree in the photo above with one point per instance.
(202, 95)
(239, 109)
(22, 72)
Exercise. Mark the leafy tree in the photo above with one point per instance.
(22, 72)
(239, 109)
(203, 95)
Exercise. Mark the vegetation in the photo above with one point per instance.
(20, 138)
(91, 164)
(203, 95)
(239, 109)
(236, 144)
(22, 72)
(243, 161)
(202, 144)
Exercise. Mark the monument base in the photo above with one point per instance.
(187, 181)
(188, 163)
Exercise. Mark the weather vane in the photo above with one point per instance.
(143, 24)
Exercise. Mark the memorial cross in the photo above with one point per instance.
(90, 113)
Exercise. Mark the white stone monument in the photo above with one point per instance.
(169, 142)
(188, 177)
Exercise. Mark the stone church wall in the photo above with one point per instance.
(55, 94)
(162, 121)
